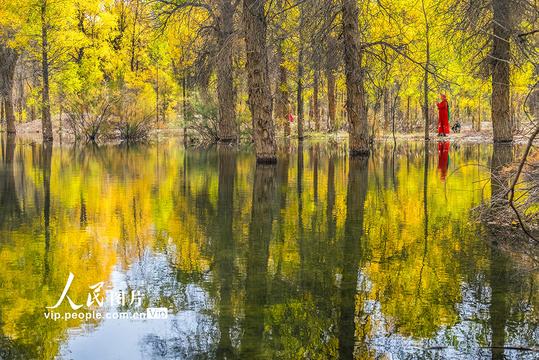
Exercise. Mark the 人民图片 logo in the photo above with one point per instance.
(96, 299)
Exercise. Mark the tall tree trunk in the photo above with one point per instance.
(332, 108)
(315, 156)
(258, 80)
(20, 103)
(46, 121)
(479, 115)
(512, 112)
(282, 91)
(331, 44)
(300, 95)
(533, 101)
(343, 108)
(8, 61)
(157, 96)
(283, 107)
(387, 110)
(315, 101)
(408, 114)
(501, 55)
(10, 116)
(225, 83)
(134, 38)
(358, 127)
(311, 113)
(426, 79)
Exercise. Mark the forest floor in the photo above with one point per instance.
(466, 134)
(32, 129)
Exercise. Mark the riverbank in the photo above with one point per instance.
(32, 130)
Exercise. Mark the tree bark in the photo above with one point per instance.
(8, 61)
(479, 115)
(426, 79)
(501, 55)
(157, 96)
(408, 114)
(358, 127)
(344, 107)
(300, 95)
(225, 83)
(258, 81)
(533, 101)
(332, 106)
(185, 113)
(134, 38)
(315, 101)
(385, 96)
(46, 121)
(331, 44)
(282, 91)
(2, 110)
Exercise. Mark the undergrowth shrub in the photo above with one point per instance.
(132, 120)
(89, 115)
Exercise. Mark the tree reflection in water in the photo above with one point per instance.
(352, 303)
(319, 256)
(225, 248)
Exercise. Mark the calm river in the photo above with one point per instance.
(162, 252)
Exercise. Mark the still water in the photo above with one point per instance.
(318, 257)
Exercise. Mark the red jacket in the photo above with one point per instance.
(443, 118)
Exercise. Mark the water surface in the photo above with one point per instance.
(317, 257)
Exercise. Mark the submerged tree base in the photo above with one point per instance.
(358, 153)
(227, 141)
(266, 161)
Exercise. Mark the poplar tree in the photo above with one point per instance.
(358, 127)
(260, 101)
(8, 61)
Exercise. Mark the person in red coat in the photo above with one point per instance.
(443, 117)
(290, 112)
